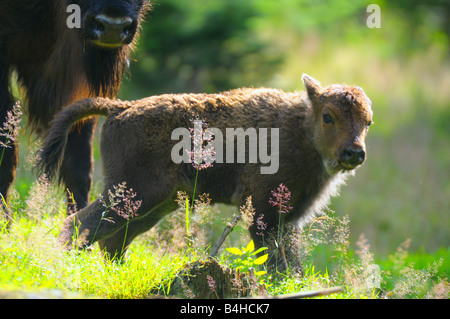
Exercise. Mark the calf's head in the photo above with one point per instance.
(342, 116)
(110, 24)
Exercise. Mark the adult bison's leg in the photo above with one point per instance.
(77, 165)
(8, 149)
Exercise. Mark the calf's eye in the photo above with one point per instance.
(327, 119)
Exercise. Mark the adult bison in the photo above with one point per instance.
(58, 62)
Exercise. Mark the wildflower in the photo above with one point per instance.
(10, 129)
(441, 290)
(203, 210)
(248, 212)
(260, 225)
(342, 235)
(211, 283)
(237, 284)
(182, 197)
(203, 153)
(281, 198)
(122, 201)
(41, 198)
(187, 291)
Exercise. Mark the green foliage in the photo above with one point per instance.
(246, 258)
(201, 46)
(31, 258)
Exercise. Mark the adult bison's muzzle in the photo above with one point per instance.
(110, 28)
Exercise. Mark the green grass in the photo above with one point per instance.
(31, 259)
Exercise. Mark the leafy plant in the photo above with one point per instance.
(246, 258)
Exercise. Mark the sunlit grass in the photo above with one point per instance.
(31, 259)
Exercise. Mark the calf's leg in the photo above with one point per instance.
(86, 226)
(96, 222)
(117, 244)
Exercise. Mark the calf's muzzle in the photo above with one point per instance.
(352, 156)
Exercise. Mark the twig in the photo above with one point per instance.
(225, 233)
(304, 294)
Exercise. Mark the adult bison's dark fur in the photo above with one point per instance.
(321, 140)
(57, 65)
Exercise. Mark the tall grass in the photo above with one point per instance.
(31, 258)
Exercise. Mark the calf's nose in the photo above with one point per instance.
(352, 157)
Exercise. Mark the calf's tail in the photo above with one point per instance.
(52, 152)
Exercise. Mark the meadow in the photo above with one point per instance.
(392, 216)
(34, 265)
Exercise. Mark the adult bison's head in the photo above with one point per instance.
(100, 43)
(110, 24)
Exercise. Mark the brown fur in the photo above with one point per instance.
(57, 65)
(136, 147)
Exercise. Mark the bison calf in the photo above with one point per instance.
(321, 135)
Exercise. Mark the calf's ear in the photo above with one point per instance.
(312, 86)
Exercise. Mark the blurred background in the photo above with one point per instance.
(403, 189)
